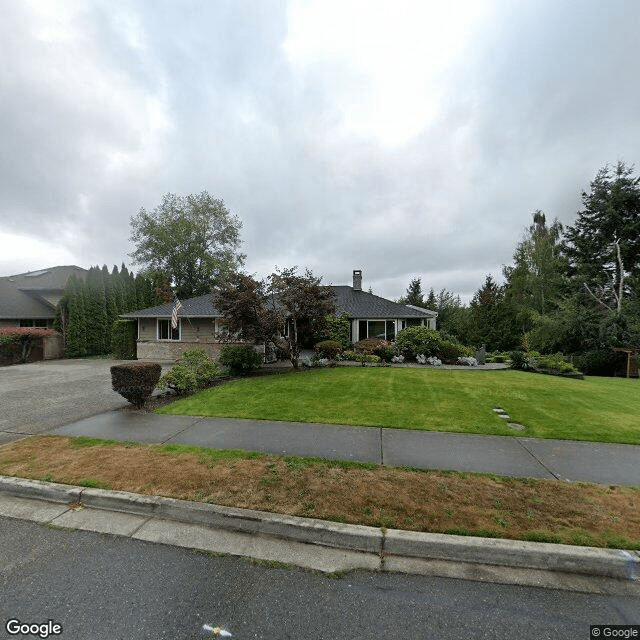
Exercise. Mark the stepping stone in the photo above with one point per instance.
(498, 410)
(503, 415)
(515, 426)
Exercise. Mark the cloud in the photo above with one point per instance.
(413, 140)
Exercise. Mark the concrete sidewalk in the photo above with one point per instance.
(509, 456)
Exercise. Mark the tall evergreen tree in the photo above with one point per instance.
(414, 295)
(603, 246)
(491, 319)
(95, 313)
(76, 346)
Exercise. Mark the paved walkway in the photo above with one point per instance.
(510, 456)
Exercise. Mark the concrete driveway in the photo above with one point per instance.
(40, 396)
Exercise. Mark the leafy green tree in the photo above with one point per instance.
(189, 240)
(453, 318)
(537, 281)
(603, 246)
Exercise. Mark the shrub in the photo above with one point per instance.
(337, 328)
(123, 339)
(450, 351)
(518, 360)
(353, 356)
(195, 370)
(555, 364)
(413, 341)
(369, 345)
(135, 381)
(328, 349)
(598, 362)
(240, 359)
(16, 343)
(498, 356)
(386, 353)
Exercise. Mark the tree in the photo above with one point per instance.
(74, 304)
(191, 241)
(282, 310)
(603, 247)
(302, 301)
(491, 318)
(244, 304)
(537, 282)
(414, 294)
(453, 318)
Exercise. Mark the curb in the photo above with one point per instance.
(390, 545)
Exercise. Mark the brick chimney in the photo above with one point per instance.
(357, 279)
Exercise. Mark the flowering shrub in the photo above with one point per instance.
(16, 342)
(328, 349)
(369, 345)
(17, 334)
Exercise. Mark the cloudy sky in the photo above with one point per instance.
(406, 139)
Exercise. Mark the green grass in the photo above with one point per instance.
(595, 409)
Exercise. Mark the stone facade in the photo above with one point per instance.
(195, 333)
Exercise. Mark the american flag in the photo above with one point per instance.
(174, 314)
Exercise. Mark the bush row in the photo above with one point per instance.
(410, 343)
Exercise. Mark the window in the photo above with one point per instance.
(166, 331)
(40, 323)
(380, 329)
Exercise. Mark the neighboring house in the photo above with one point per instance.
(30, 299)
(200, 324)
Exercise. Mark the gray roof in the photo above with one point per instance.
(21, 294)
(200, 307)
(362, 304)
(356, 304)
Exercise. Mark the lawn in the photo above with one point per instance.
(378, 496)
(595, 409)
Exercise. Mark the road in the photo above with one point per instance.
(103, 587)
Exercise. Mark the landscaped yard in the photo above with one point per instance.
(596, 409)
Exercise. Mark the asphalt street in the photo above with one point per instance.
(100, 587)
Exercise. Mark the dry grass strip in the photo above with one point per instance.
(451, 502)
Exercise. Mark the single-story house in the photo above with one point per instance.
(200, 324)
(30, 299)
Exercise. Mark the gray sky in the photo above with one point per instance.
(406, 139)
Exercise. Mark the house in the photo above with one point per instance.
(200, 324)
(30, 299)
